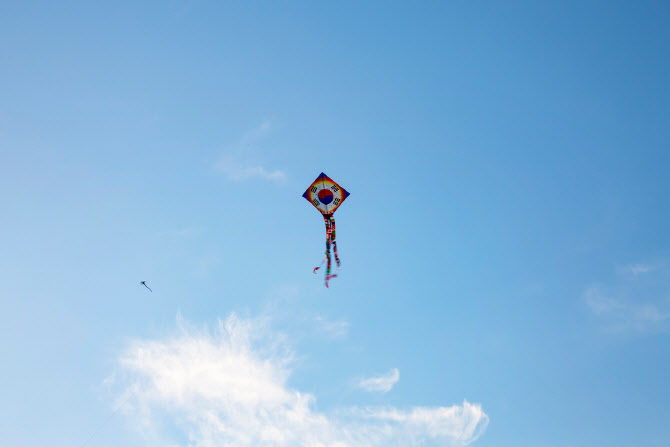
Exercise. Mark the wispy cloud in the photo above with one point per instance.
(633, 301)
(636, 269)
(229, 388)
(238, 170)
(626, 314)
(336, 329)
(236, 164)
(382, 383)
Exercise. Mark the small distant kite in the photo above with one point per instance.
(327, 196)
(145, 285)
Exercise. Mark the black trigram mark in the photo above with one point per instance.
(336, 201)
(315, 202)
(334, 188)
(313, 188)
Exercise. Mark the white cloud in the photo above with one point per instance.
(636, 300)
(238, 170)
(336, 329)
(460, 424)
(230, 388)
(382, 383)
(623, 309)
(236, 164)
(635, 269)
(601, 304)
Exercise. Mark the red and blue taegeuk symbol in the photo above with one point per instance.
(325, 196)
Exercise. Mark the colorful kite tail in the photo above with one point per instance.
(329, 235)
(320, 265)
(327, 255)
(332, 238)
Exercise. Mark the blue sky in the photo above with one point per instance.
(506, 260)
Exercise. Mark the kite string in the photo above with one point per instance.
(108, 418)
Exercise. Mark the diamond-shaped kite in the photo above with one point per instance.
(327, 196)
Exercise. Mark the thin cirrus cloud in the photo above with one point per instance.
(382, 383)
(624, 313)
(635, 301)
(229, 388)
(237, 164)
(334, 328)
(635, 269)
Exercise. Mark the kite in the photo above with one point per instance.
(327, 196)
(144, 283)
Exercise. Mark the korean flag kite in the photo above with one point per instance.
(327, 196)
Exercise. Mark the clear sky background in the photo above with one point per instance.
(505, 246)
